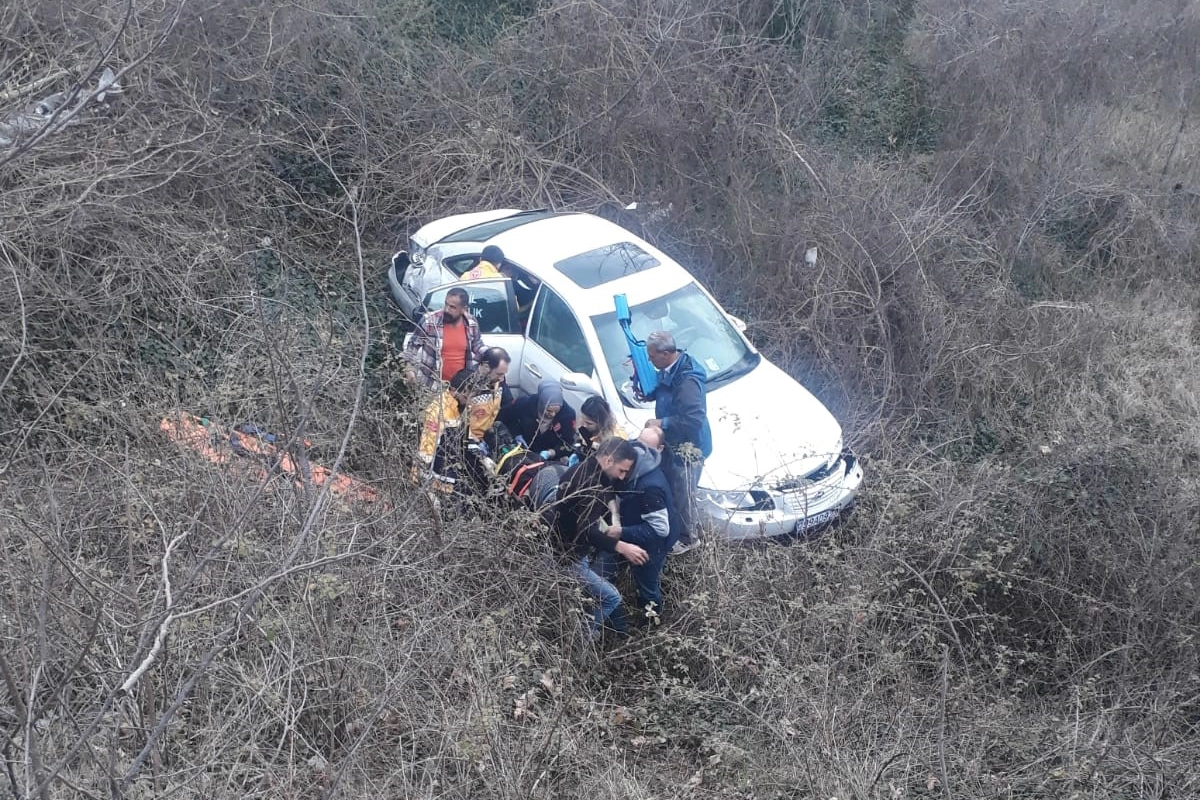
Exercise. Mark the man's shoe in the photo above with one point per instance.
(680, 548)
(647, 618)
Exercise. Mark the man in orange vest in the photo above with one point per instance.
(488, 265)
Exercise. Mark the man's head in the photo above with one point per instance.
(462, 384)
(494, 364)
(661, 348)
(492, 254)
(457, 301)
(616, 458)
(652, 437)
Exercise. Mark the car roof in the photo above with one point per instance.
(538, 246)
(490, 227)
(435, 230)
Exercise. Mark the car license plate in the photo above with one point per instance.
(815, 521)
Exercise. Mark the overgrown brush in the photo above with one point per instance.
(1001, 309)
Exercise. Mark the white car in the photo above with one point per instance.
(778, 464)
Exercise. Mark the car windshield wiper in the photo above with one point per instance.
(737, 369)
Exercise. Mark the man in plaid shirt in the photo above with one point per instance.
(445, 342)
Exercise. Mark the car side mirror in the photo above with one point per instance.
(578, 382)
(419, 311)
(738, 323)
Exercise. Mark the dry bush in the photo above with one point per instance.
(1052, 549)
(994, 621)
(1050, 60)
(304, 638)
(1075, 122)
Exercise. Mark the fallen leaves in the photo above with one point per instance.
(523, 704)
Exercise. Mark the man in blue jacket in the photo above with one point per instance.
(681, 411)
(648, 519)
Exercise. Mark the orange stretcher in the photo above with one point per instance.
(247, 443)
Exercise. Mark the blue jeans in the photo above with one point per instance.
(608, 599)
(684, 477)
(647, 578)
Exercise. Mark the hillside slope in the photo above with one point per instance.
(1003, 313)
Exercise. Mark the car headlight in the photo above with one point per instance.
(417, 255)
(752, 500)
(837, 452)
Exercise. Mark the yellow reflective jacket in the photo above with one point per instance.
(484, 269)
(482, 410)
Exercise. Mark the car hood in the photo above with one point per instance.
(439, 229)
(767, 428)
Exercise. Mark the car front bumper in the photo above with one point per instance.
(800, 511)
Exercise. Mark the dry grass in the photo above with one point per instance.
(1004, 322)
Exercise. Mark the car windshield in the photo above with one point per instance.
(699, 328)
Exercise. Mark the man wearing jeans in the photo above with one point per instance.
(649, 520)
(681, 411)
(577, 519)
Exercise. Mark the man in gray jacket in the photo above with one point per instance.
(648, 519)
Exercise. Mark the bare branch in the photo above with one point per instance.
(169, 616)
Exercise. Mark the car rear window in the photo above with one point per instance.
(486, 230)
(604, 264)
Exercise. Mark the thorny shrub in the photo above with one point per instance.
(1000, 310)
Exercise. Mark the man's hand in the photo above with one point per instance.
(613, 532)
(654, 423)
(633, 553)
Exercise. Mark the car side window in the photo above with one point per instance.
(490, 304)
(556, 329)
(460, 263)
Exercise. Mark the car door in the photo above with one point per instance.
(556, 348)
(494, 307)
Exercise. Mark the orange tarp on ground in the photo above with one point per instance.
(221, 446)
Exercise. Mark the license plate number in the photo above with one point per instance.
(815, 521)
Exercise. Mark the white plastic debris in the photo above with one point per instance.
(108, 85)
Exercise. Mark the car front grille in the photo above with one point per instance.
(807, 482)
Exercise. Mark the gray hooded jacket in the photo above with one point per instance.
(648, 516)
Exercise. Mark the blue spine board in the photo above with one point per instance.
(645, 376)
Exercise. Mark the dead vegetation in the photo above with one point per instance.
(1002, 310)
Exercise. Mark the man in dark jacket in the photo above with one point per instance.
(681, 411)
(648, 519)
(577, 521)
